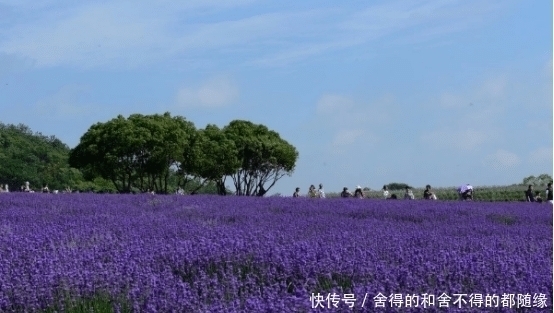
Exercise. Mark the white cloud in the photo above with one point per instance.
(471, 118)
(349, 123)
(541, 156)
(217, 92)
(502, 160)
(132, 33)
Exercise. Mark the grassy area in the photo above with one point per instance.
(99, 303)
(481, 193)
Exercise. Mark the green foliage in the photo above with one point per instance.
(212, 156)
(263, 155)
(101, 302)
(137, 152)
(161, 153)
(33, 157)
(398, 186)
(540, 180)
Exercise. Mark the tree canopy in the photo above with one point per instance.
(147, 151)
(398, 186)
(263, 155)
(33, 157)
(540, 180)
(211, 156)
(138, 151)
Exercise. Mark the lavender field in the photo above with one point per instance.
(145, 253)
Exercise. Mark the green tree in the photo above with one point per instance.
(211, 157)
(163, 140)
(263, 155)
(33, 157)
(108, 150)
(398, 186)
(540, 180)
(137, 152)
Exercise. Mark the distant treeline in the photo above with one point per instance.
(43, 160)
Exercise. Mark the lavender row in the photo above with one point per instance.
(242, 254)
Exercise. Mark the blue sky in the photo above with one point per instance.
(421, 92)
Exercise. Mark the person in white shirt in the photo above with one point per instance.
(465, 192)
(385, 192)
(320, 192)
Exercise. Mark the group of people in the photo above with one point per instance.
(359, 193)
(312, 192)
(535, 196)
(428, 194)
(27, 188)
(465, 193)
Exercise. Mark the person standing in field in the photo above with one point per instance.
(312, 192)
(538, 198)
(385, 192)
(358, 193)
(321, 192)
(345, 193)
(529, 194)
(428, 194)
(549, 193)
(408, 195)
(296, 193)
(465, 192)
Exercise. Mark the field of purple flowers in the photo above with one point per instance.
(145, 253)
